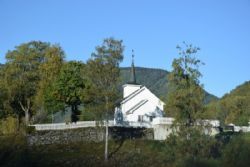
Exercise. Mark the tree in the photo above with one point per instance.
(22, 76)
(2, 93)
(2, 97)
(186, 104)
(103, 72)
(237, 151)
(186, 97)
(198, 149)
(69, 87)
(48, 72)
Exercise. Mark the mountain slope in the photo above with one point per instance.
(241, 90)
(155, 80)
(233, 107)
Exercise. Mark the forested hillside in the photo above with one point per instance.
(233, 107)
(155, 80)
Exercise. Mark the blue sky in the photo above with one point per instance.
(153, 28)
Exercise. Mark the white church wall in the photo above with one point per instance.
(144, 110)
(153, 99)
(161, 132)
(129, 88)
(144, 95)
(132, 102)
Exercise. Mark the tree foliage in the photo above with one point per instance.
(188, 145)
(237, 151)
(103, 72)
(198, 149)
(185, 100)
(48, 72)
(68, 88)
(22, 76)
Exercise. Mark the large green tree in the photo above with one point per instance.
(48, 72)
(22, 76)
(186, 104)
(186, 97)
(103, 72)
(68, 88)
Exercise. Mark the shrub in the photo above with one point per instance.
(237, 152)
(8, 125)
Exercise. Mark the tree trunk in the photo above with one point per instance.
(26, 111)
(107, 132)
(74, 110)
(27, 116)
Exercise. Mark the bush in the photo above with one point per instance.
(199, 162)
(8, 126)
(237, 152)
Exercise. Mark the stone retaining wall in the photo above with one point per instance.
(95, 134)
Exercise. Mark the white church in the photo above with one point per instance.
(139, 104)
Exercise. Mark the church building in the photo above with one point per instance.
(139, 104)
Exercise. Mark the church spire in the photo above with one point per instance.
(132, 71)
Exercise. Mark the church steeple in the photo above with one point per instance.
(132, 71)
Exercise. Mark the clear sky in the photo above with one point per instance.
(153, 28)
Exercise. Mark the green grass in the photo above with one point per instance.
(14, 151)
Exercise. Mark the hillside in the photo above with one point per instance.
(233, 107)
(155, 80)
(241, 90)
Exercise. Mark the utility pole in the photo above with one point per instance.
(107, 131)
(52, 117)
